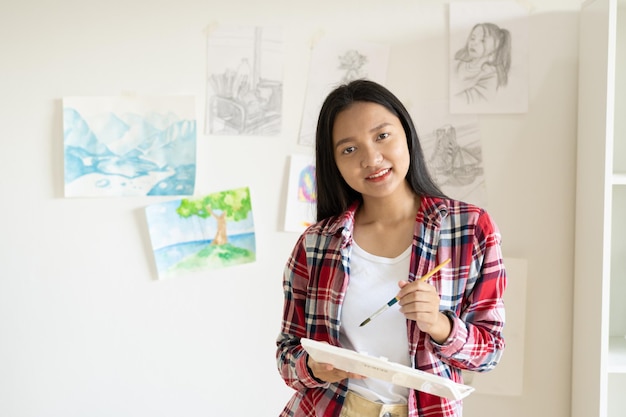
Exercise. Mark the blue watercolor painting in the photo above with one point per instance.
(129, 146)
(202, 233)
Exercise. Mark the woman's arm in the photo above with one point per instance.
(476, 342)
(291, 357)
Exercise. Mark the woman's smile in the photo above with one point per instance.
(379, 175)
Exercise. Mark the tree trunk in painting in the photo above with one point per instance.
(221, 237)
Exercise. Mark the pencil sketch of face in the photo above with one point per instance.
(483, 63)
(488, 67)
(480, 43)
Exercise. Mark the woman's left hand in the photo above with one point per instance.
(419, 301)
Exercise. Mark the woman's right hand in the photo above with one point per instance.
(327, 372)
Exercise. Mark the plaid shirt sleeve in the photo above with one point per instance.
(314, 285)
(472, 293)
(470, 290)
(291, 356)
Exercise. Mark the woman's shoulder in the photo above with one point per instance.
(463, 211)
(449, 205)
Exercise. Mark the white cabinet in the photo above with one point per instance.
(599, 341)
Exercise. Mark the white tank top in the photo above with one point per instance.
(373, 282)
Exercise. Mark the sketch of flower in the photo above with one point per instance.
(352, 63)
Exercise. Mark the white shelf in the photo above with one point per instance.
(617, 355)
(599, 374)
(619, 179)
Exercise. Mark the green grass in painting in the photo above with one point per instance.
(214, 256)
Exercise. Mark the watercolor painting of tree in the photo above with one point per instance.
(208, 232)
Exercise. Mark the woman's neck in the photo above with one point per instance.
(389, 210)
(385, 226)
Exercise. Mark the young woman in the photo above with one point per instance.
(383, 223)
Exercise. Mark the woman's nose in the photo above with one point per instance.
(371, 158)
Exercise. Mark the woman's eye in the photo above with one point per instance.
(383, 136)
(348, 150)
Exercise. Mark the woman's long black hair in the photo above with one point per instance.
(334, 195)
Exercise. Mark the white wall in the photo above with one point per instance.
(87, 330)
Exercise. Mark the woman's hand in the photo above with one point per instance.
(327, 372)
(419, 301)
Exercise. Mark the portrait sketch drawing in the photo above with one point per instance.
(489, 58)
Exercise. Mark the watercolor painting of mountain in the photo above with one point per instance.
(129, 146)
(203, 233)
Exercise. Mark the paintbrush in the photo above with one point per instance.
(395, 299)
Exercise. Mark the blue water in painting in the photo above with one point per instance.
(171, 255)
(159, 145)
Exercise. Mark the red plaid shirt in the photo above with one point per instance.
(470, 287)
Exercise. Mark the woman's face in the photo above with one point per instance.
(370, 148)
(480, 43)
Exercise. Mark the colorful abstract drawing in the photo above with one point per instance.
(129, 146)
(203, 233)
(301, 194)
(306, 185)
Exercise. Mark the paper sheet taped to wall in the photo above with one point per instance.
(381, 368)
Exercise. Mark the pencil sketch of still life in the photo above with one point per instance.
(334, 62)
(244, 81)
(129, 146)
(301, 193)
(203, 233)
(489, 62)
(453, 151)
